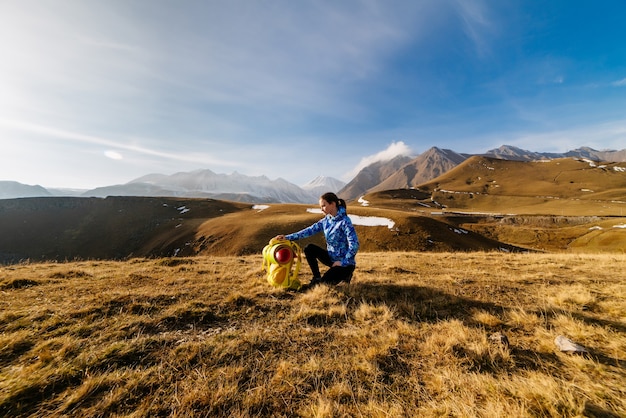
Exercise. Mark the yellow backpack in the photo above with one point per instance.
(281, 262)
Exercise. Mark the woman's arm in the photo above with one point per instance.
(306, 232)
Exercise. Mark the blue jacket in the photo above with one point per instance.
(341, 240)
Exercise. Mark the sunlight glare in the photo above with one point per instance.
(114, 155)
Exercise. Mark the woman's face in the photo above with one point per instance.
(328, 208)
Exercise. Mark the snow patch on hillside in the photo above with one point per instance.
(363, 220)
(371, 221)
(599, 228)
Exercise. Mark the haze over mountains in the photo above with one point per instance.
(396, 173)
(13, 189)
(205, 183)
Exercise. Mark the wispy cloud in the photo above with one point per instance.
(177, 86)
(236, 64)
(294, 57)
(619, 83)
(114, 155)
(393, 150)
(65, 135)
(478, 24)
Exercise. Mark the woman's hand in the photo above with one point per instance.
(337, 264)
(279, 237)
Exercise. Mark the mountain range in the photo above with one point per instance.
(483, 203)
(396, 173)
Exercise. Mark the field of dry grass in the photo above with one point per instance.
(207, 336)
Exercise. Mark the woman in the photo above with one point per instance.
(342, 243)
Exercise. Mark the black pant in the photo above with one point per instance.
(334, 275)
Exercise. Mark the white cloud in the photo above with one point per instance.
(393, 150)
(128, 145)
(619, 83)
(477, 23)
(114, 155)
(112, 60)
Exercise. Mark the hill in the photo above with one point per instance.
(482, 204)
(558, 205)
(509, 152)
(122, 227)
(13, 189)
(427, 166)
(398, 172)
(425, 335)
(575, 187)
(371, 176)
(405, 172)
(61, 228)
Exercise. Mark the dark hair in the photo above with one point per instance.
(330, 197)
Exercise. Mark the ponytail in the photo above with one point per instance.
(331, 197)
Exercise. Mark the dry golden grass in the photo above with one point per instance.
(207, 336)
(563, 187)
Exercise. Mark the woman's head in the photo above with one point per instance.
(330, 203)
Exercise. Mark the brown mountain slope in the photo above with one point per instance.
(247, 232)
(565, 218)
(427, 166)
(121, 227)
(560, 205)
(372, 175)
(59, 228)
(543, 232)
(563, 186)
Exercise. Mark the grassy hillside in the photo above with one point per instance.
(207, 336)
(60, 229)
(483, 204)
(565, 186)
(558, 205)
(57, 228)
(246, 232)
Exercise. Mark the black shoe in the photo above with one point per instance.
(315, 281)
(347, 279)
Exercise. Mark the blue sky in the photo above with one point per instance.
(94, 93)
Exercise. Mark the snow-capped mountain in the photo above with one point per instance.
(509, 152)
(206, 183)
(595, 155)
(399, 172)
(322, 184)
